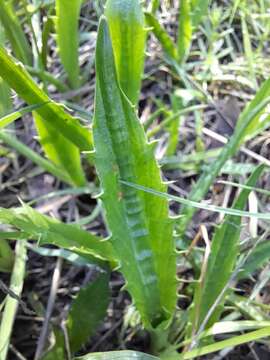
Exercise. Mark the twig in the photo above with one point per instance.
(50, 306)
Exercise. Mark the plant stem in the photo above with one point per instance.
(16, 285)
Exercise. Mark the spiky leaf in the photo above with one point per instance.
(141, 229)
(51, 231)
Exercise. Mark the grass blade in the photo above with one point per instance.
(126, 23)
(197, 205)
(14, 32)
(184, 29)
(139, 223)
(224, 253)
(10, 118)
(16, 285)
(256, 108)
(60, 151)
(67, 23)
(117, 355)
(161, 34)
(259, 256)
(229, 343)
(5, 94)
(26, 151)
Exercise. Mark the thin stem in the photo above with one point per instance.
(11, 305)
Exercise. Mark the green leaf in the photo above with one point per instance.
(257, 106)
(229, 343)
(47, 230)
(224, 253)
(261, 120)
(64, 157)
(78, 260)
(126, 23)
(5, 93)
(58, 352)
(54, 114)
(60, 151)
(45, 164)
(87, 311)
(6, 256)
(7, 119)
(199, 10)
(67, 23)
(118, 355)
(198, 205)
(161, 34)
(141, 229)
(15, 32)
(11, 304)
(258, 257)
(184, 29)
(5, 98)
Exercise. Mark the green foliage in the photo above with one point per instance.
(118, 355)
(199, 9)
(61, 135)
(126, 23)
(247, 125)
(162, 35)
(141, 229)
(67, 23)
(60, 150)
(184, 29)
(134, 197)
(47, 230)
(84, 316)
(87, 311)
(11, 304)
(21, 82)
(6, 256)
(7, 119)
(256, 259)
(224, 253)
(26, 151)
(14, 32)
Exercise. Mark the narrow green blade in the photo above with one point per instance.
(184, 29)
(126, 23)
(60, 151)
(224, 253)
(67, 23)
(15, 33)
(118, 355)
(255, 110)
(164, 38)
